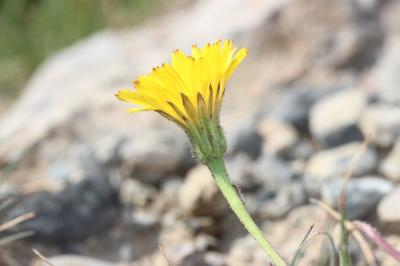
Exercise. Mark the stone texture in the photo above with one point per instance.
(388, 212)
(384, 75)
(245, 252)
(150, 158)
(335, 162)
(390, 167)
(240, 171)
(381, 124)
(69, 260)
(272, 172)
(334, 119)
(133, 193)
(199, 195)
(246, 139)
(362, 196)
(278, 137)
(300, 98)
(279, 205)
(75, 213)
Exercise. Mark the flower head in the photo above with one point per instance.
(189, 91)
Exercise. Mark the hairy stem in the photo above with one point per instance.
(218, 170)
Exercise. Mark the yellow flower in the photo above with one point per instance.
(190, 90)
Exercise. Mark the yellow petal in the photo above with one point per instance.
(188, 87)
(235, 62)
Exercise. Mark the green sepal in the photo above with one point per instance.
(208, 140)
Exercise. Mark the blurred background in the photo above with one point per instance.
(112, 188)
(33, 30)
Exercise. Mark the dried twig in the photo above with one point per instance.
(344, 247)
(307, 234)
(17, 220)
(296, 259)
(43, 258)
(347, 175)
(164, 255)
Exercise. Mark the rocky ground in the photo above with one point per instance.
(111, 188)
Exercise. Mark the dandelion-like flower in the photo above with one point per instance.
(189, 91)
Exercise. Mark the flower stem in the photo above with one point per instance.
(218, 170)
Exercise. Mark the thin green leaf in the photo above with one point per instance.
(297, 257)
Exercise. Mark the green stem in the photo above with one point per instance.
(344, 256)
(218, 170)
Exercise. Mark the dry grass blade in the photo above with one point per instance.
(349, 172)
(164, 255)
(345, 258)
(365, 248)
(43, 258)
(15, 221)
(307, 234)
(297, 256)
(302, 243)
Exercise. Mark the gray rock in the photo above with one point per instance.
(390, 19)
(213, 258)
(244, 251)
(272, 173)
(362, 196)
(381, 123)
(335, 162)
(278, 205)
(199, 195)
(299, 98)
(169, 189)
(154, 154)
(75, 260)
(385, 74)
(67, 162)
(134, 193)
(390, 167)
(190, 254)
(282, 140)
(145, 219)
(239, 169)
(72, 214)
(302, 150)
(107, 148)
(356, 47)
(334, 119)
(278, 137)
(388, 213)
(246, 139)
(182, 249)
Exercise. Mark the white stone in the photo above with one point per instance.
(199, 195)
(388, 211)
(381, 124)
(277, 136)
(390, 167)
(335, 162)
(333, 117)
(72, 260)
